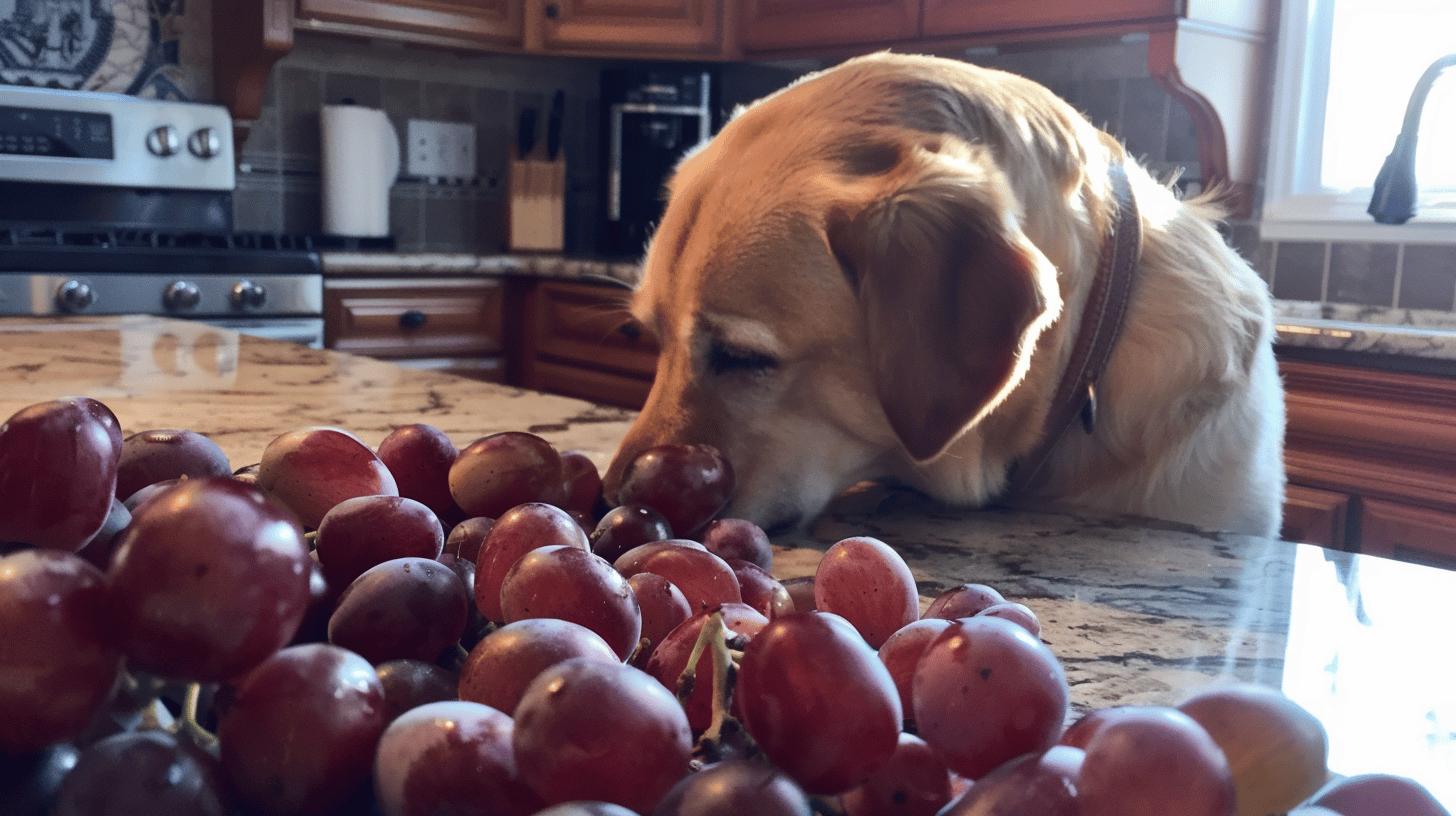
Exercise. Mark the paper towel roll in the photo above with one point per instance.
(360, 163)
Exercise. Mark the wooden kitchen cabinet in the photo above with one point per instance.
(1408, 533)
(578, 339)
(485, 22)
(452, 325)
(948, 18)
(630, 27)
(1316, 516)
(768, 25)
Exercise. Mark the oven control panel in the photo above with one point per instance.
(80, 137)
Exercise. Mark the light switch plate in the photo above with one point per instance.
(444, 150)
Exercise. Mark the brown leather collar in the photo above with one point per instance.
(1102, 319)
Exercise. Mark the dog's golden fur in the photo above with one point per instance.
(879, 272)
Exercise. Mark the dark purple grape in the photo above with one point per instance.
(626, 527)
(670, 658)
(148, 457)
(517, 532)
(986, 691)
(147, 772)
(1044, 784)
(404, 609)
(362, 532)
(735, 788)
(146, 494)
(866, 582)
(571, 584)
(29, 782)
(912, 783)
(300, 734)
(585, 809)
(467, 536)
(500, 471)
(1019, 614)
(801, 591)
(316, 468)
(57, 472)
(502, 666)
(964, 601)
(687, 484)
(705, 579)
(210, 578)
(818, 701)
(1151, 762)
(741, 539)
(321, 599)
(450, 757)
(582, 484)
(761, 590)
(412, 683)
(594, 730)
(419, 457)
(98, 550)
(901, 653)
(663, 608)
(57, 661)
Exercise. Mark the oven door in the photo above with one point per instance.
(306, 331)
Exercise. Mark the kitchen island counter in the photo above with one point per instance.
(1137, 612)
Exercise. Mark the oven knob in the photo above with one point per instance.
(75, 296)
(181, 296)
(163, 141)
(204, 143)
(248, 295)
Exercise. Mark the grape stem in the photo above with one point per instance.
(722, 666)
(187, 726)
(686, 681)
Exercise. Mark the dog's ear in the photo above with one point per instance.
(953, 295)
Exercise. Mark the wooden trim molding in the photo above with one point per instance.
(247, 39)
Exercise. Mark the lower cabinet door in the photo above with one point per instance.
(1408, 533)
(1314, 516)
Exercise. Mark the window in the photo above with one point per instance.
(1346, 69)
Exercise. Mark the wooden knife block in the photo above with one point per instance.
(538, 204)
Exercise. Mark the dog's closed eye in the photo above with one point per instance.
(727, 359)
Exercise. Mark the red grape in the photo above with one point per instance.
(314, 469)
(516, 533)
(148, 457)
(467, 536)
(582, 483)
(1044, 784)
(419, 457)
(986, 691)
(687, 484)
(150, 492)
(1153, 762)
(361, 532)
(299, 736)
(500, 471)
(818, 701)
(571, 584)
(1081, 732)
(147, 772)
(98, 550)
(625, 527)
(630, 562)
(705, 579)
(735, 788)
(670, 658)
(1379, 795)
(585, 809)
(450, 757)
(210, 578)
(1019, 614)
(867, 583)
(801, 592)
(901, 654)
(410, 684)
(408, 608)
(738, 538)
(912, 783)
(663, 608)
(57, 662)
(964, 601)
(57, 472)
(29, 782)
(502, 666)
(761, 590)
(589, 729)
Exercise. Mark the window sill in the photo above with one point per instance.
(1343, 218)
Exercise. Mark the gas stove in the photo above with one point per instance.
(115, 205)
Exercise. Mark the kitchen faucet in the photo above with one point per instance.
(1394, 199)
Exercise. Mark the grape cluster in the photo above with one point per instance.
(426, 630)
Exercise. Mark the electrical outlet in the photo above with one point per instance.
(440, 149)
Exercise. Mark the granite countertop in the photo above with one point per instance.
(1137, 612)
(444, 263)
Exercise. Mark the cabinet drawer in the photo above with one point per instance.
(782, 24)
(425, 319)
(1408, 533)
(1315, 516)
(952, 17)
(584, 325)
(486, 22)
(690, 26)
(583, 383)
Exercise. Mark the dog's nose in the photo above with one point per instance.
(612, 479)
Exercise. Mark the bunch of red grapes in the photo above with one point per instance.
(424, 630)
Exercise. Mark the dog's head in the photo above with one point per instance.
(840, 285)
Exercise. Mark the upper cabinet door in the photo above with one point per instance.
(494, 22)
(770, 25)
(951, 17)
(633, 26)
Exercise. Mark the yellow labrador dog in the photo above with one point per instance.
(882, 271)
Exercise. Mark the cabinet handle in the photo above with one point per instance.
(630, 330)
(552, 11)
(412, 319)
